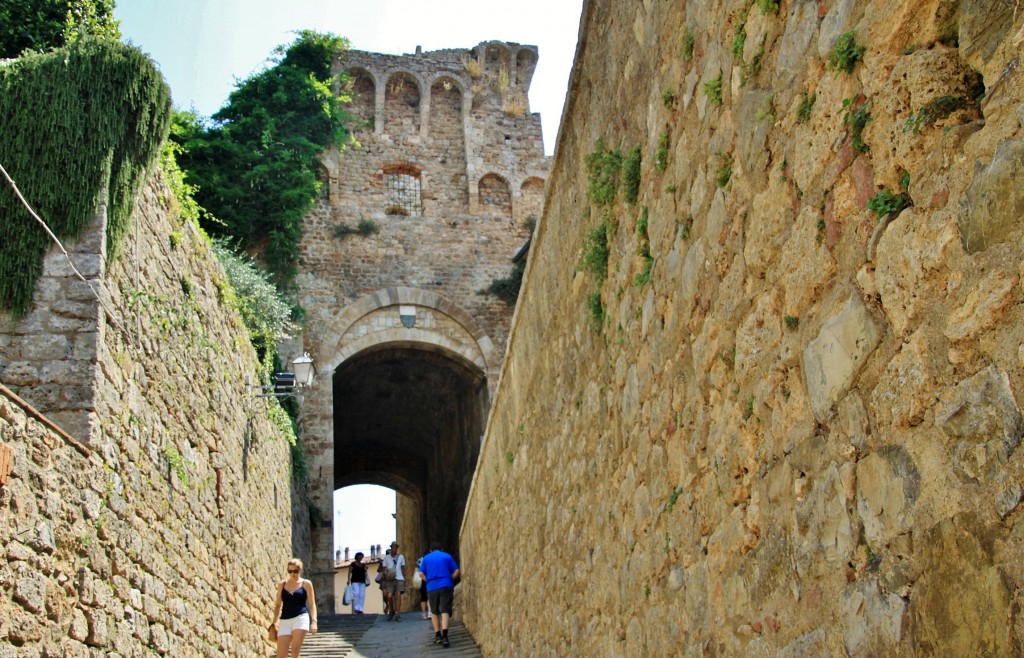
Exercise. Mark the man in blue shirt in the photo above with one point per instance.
(441, 573)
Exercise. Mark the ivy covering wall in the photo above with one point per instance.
(78, 123)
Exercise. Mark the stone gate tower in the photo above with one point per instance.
(449, 166)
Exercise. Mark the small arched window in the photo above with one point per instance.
(402, 190)
(363, 93)
(495, 196)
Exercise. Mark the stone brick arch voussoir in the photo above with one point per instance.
(403, 98)
(446, 77)
(496, 57)
(364, 84)
(494, 194)
(476, 352)
(531, 199)
(526, 63)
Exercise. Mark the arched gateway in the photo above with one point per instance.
(407, 347)
(401, 401)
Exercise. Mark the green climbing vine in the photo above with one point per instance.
(80, 123)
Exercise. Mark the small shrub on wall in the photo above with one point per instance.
(507, 288)
(265, 313)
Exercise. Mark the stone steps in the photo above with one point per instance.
(337, 637)
(373, 636)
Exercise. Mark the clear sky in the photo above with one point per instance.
(204, 46)
(362, 517)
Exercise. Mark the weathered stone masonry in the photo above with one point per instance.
(161, 523)
(449, 164)
(801, 437)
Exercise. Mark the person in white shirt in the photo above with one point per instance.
(394, 581)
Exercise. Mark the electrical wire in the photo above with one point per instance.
(110, 314)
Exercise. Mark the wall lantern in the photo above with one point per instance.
(290, 383)
(304, 370)
(408, 315)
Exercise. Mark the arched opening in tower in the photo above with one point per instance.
(411, 419)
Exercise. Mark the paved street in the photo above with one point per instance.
(373, 636)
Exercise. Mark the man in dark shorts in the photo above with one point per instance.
(441, 573)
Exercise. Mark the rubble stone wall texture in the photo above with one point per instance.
(167, 531)
(801, 436)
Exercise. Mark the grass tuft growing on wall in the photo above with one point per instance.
(604, 167)
(845, 53)
(643, 249)
(79, 124)
(631, 175)
(713, 90)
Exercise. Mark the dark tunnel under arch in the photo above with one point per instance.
(410, 418)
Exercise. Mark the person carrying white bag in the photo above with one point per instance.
(358, 579)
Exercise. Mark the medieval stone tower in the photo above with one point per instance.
(448, 164)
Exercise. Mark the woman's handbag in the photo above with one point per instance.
(272, 632)
(346, 598)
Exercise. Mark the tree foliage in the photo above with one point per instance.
(40, 25)
(256, 165)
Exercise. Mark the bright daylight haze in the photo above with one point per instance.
(204, 46)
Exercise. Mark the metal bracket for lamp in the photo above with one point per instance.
(289, 383)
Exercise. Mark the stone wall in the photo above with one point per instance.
(49, 355)
(800, 436)
(165, 528)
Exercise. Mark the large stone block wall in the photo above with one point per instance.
(800, 437)
(165, 529)
(49, 355)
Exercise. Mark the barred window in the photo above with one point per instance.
(403, 193)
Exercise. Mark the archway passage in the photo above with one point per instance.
(411, 419)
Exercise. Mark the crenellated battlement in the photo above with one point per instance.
(476, 147)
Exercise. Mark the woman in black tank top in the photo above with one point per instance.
(294, 611)
(358, 578)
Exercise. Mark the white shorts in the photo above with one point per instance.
(286, 626)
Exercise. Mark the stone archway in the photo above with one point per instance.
(401, 400)
(411, 419)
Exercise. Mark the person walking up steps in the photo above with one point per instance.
(359, 579)
(441, 573)
(394, 581)
(420, 585)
